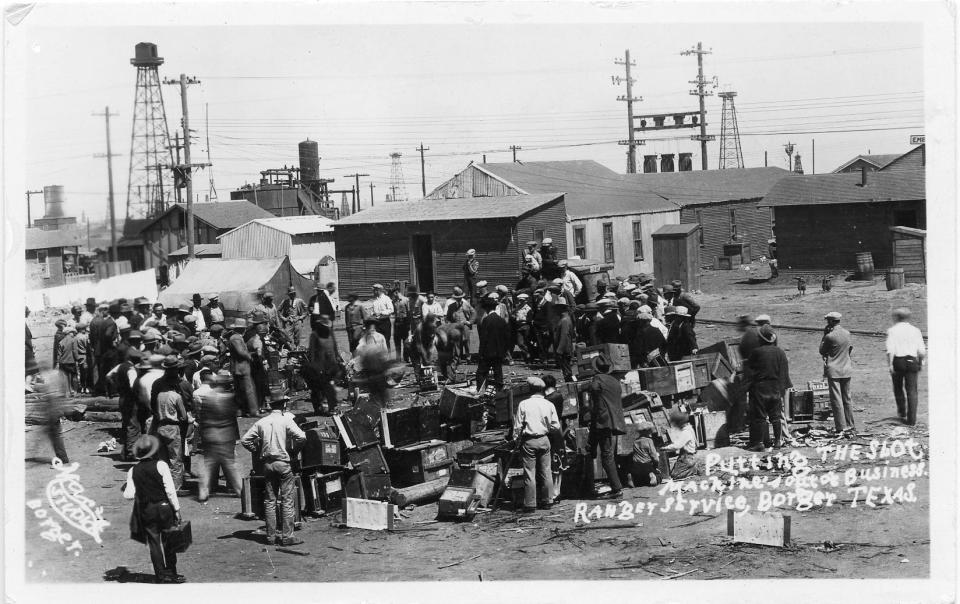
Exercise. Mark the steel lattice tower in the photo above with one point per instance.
(731, 156)
(149, 183)
(398, 187)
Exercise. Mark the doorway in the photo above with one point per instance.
(421, 249)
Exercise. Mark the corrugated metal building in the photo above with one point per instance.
(823, 221)
(610, 221)
(725, 203)
(425, 242)
(168, 231)
(307, 240)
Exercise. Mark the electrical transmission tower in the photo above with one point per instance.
(731, 155)
(149, 185)
(398, 187)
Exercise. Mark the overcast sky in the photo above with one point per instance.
(364, 91)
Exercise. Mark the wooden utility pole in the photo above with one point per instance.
(631, 141)
(423, 170)
(702, 93)
(187, 167)
(371, 194)
(113, 217)
(29, 193)
(356, 190)
(515, 148)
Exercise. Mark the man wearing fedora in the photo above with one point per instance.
(471, 274)
(141, 310)
(240, 367)
(606, 422)
(494, 334)
(681, 339)
(608, 326)
(835, 349)
(169, 400)
(273, 438)
(125, 378)
(767, 377)
(197, 311)
(157, 507)
(269, 311)
(293, 312)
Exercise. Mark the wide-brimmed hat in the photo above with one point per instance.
(324, 320)
(194, 349)
(146, 446)
(258, 317)
(277, 396)
(214, 297)
(197, 297)
(291, 290)
(267, 294)
(767, 334)
(141, 301)
(183, 308)
(90, 302)
(457, 292)
(135, 334)
(114, 308)
(171, 362)
(605, 302)
(413, 290)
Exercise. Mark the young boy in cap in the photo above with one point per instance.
(645, 469)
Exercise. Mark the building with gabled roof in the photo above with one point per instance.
(425, 242)
(823, 221)
(51, 255)
(307, 240)
(167, 232)
(870, 162)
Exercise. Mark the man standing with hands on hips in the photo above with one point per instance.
(536, 418)
(905, 355)
(835, 349)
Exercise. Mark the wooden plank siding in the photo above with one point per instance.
(911, 161)
(753, 223)
(471, 182)
(829, 236)
(552, 220)
(909, 253)
(170, 234)
(625, 263)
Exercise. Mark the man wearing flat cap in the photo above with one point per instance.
(471, 274)
(535, 420)
(835, 349)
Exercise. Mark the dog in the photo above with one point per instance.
(801, 285)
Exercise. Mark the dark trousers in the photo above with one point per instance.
(353, 336)
(565, 361)
(400, 332)
(385, 329)
(765, 405)
(130, 427)
(604, 438)
(154, 518)
(906, 372)
(485, 366)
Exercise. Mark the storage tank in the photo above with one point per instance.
(309, 161)
(649, 164)
(666, 162)
(53, 201)
(686, 162)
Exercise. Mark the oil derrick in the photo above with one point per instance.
(398, 187)
(731, 155)
(149, 185)
(797, 166)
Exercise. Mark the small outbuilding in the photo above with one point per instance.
(424, 242)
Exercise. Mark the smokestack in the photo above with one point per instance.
(649, 164)
(666, 162)
(686, 162)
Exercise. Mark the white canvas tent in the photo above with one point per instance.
(237, 281)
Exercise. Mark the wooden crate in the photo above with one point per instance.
(456, 404)
(729, 348)
(322, 449)
(701, 370)
(800, 406)
(323, 492)
(400, 427)
(617, 354)
(369, 460)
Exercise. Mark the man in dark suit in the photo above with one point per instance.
(564, 338)
(322, 304)
(606, 423)
(608, 325)
(106, 350)
(494, 335)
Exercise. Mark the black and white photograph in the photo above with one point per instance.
(480, 301)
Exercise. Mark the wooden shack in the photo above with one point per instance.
(676, 255)
(424, 242)
(910, 253)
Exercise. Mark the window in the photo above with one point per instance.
(538, 235)
(608, 242)
(580, 241)
(733, 224)
(700, 222)
(637, 241)
(44, 263)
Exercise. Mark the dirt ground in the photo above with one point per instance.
(889, 540)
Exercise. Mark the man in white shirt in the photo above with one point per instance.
(571, 282)
(536, 418)
(905, 355)
(432, 307)
(197, 311)
(381, 308)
